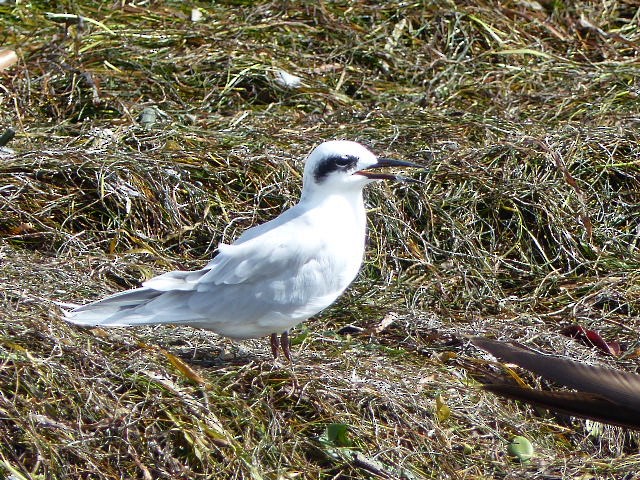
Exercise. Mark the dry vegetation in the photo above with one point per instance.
(145, 138)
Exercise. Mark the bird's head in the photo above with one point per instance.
(341, 165)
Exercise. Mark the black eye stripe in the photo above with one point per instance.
(332, 164)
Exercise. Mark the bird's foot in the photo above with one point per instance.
(285, 342)
(275, 346)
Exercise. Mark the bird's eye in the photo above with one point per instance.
(343, 161)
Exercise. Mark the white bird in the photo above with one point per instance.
(275, 275)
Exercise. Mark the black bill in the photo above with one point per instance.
(385, 163)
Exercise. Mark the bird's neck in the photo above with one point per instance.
(351, 200)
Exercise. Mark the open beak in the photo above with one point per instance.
(387, 162)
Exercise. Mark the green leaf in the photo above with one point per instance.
(443, 412)
(338, 434)
(520, 448)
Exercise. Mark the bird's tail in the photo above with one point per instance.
(118, 310)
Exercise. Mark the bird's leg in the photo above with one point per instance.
(285, 342)
(274, 345)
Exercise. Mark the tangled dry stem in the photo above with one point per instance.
(145, 139)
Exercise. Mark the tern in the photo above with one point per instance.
(275, 275)
(603, 394)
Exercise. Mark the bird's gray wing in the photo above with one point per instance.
(280, 273)
(275, 254)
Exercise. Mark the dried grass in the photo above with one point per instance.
(144, 139)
